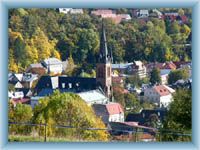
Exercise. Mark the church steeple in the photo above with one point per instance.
(104, 56)
(103, 68)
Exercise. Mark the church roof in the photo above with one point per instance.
(75, 84)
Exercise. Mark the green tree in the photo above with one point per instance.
(179, 116)
(155, 76)
(177, 75)
(132, 103)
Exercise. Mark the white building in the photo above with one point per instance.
(161, 95)
(125, 17)
(53, 65)
(164, 73)
(111, 112)
(143, 13)
(70, 11)
(15, 95)
(64, 10)
(140, 69)
(93, 97)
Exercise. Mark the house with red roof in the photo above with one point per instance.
(161, 95)
(111, 112)
(106, 13)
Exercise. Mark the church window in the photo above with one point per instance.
(108, 71)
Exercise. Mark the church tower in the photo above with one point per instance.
(103, 66)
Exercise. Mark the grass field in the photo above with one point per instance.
(23, 138)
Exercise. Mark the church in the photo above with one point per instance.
(102, 83)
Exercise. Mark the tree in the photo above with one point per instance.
(179, 116)
(177, 75)
(21, 113)
(132, 102)
(70, 66)
(70, 110)
(181, 12)
(88, 41)
(155, 76)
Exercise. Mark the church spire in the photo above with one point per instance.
(104, 56)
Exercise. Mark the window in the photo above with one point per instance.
(108, 71)
(70, 85)
(63, 85)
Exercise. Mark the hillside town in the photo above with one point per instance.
(129, 96)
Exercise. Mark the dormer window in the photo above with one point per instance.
(63, 85)
(70, 85)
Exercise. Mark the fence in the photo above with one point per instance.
(38, 132)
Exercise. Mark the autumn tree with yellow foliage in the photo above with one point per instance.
(69, 109)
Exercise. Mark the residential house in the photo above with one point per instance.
(70, 11)
(36, 69)
(106, 13)
(64, 10)
(139, 68)
(53, 65)
(183, 64)
(122, 68)
(15, 79)
(100, 12)
(161, 95)
(27, 92)
(143, 13)
(144, 116)
(157, 13)
(16, 85)
(28, 80)
(170, 16)
(125, 17)
(125, 131)
(164, 76)
(15, 95)
(76, 11)
(134, 68)
(111, 112)
(164, 67)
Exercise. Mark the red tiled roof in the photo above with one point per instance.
(102, 11)
(169, 65)
(184, 18)
(20, 100)
(114, 108)
(161, 90)
(135, 124)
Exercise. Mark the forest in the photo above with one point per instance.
(36, 34)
